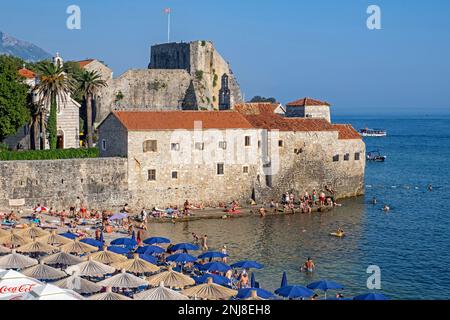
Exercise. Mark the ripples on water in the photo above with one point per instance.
(410, 243)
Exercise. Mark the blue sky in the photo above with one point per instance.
(286, 49)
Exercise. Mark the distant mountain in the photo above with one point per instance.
(22, 49)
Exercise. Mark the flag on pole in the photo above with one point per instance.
(167, 10)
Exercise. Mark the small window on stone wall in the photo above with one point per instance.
(220, 169)
(150, 146)
(103, 144)
(347, 157)
(298, 151)
(336, 158)
(223, 145)
(280, 143)
(175, 147)
(247, 141)
(174, 174)
(199, 146)
(357, 156)
(152, 175)
(245, 169)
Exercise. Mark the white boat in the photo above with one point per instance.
(373, 132)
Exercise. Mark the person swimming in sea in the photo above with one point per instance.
(374, 201)
(309, 266)
(386, 208)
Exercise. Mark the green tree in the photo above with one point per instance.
(263, 99)
(55, 85)
(13, 97)
(89, 83)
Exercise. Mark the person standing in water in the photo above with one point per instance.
(309, 265)
(205, 243)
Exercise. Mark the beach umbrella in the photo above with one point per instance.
(118, 216)
(101, 237)
(14, 240)
(44, 272)
(118, 250)
(136, 265)
(16, 261)
(247, 293)
(36, 247)
(253, 281)
(109, 296)
(215, 267)
(293, 292)
(90, 268)
(133, 235)
(156, 240)
(54, 239)
(171, 279)
(210, 291)
(218, 279)
(4, 250)
(124, 242)
(149, 258)
(62, 258)
(150, 250)
(93, 242)
(78, 284)
(69, 235)
(247, 265)
(325, 285)
(181, 258)
(51, 292)
(160, 293)
(212, 255)
(77, 247)
(371, 296)
(284, 282)
(185, 246)
(33, 232)
(13, 282)
(254, 296)
(107, 257)
(123, 280)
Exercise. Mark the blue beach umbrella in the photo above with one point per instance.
(69, 235)
(371, 296)
(252, 281)
(92, 242)
(149, 258)
(284, 282)
(101, 237)
(215, 267)
(124, 242)
(185, 246)
(212, 254)
(156, 240)
(150, 250)
(293, 292)
(118, 250)
(247, 293)
(217, 279)
(133, 235)
(325, 285)
(181, 258)
(247, 265)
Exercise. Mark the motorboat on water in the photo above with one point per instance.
(366, 132)
(376, 156)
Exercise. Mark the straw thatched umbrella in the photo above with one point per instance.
(210, 291)
(254, 296)
(136, 265)
(54, 239)
(4, 250)
(78, 284)
(62, 258)
(123, 280)
(108, 257)
(160, 293)
(78, 247)
(171, 279)
(90, 268)
(36, 247)
(14, 240)
(16, 261)
(44, 272)
(33, 232)
(109, 295)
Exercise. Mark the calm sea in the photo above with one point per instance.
(410, 244)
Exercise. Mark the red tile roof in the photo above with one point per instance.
(171, 120)
(346, 131)
(305, 102)
(24, 72)
(84, 63)
(256, 107)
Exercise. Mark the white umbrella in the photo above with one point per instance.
(16, 261)
(13, 283)
(90, 268)
(4, 250)
(160, 293)
(109, 295)
(123, 280)
(51, 292)
(62, 258)
(44, 272)
(78, 284)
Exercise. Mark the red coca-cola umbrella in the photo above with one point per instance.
(14, 284)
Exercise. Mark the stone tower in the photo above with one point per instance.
(224, 94)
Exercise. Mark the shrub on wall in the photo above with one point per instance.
(57, 154)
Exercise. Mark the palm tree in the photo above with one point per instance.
(55, 86)
(89, 83)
